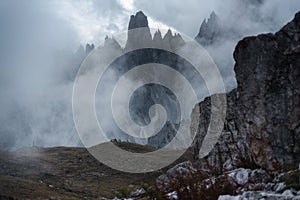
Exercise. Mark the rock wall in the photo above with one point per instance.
(257, 155)
(262, 127)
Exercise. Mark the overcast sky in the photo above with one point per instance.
(84, 21)
(38, 36)
(93, 19)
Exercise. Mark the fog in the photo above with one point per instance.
(36, 47)
(39, 40)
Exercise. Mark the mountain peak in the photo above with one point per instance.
(142, 35)
(112, 42)
(89, 48)
(157, 36)
(209, 30)
(168, 35)
(139, 20)
(213, 15)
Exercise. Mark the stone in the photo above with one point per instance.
(262, 122)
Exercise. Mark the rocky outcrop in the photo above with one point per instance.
(189, 183)
(112, 44)
(286, 195)
(139, 20)
(81, 54)
(267, 71)
(142, 99)
(262, 124)
(89, 48)
(231, 151)
(216, 31)
(219, 37)
(157, 38)
(186, 181)
(141, 33)
(259, 148)
(210, 30)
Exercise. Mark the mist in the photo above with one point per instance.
(39, 57)
(36, 50)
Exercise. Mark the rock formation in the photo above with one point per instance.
(219, 37)
(262, 128)
(263, 113)
(141, 33)
(141, 100)
(210, 30)
(139, 20)
(89, 48)
(268, 70)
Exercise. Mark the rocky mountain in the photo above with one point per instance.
(268, 88)
(210, 30)
(139, 20)
(150, 94)
(261, 135)
(219, 37)
(82, 53)
(215, 31)
(142, 34)
(256, 157)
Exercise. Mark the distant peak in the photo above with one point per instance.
(204, 22)
(213, 18)
(157, 35)
(139, 20)
(211, 21)
(213, 15)
(140, 13)
(210, 30)
(89, 48)
(169, 33)
(111, 42)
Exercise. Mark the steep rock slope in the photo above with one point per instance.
(268, 71)
(259, 149)
(264, 113)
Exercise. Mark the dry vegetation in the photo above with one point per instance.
(70, 173)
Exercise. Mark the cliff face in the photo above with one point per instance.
(259, 148)
(262, 127)
(268, 75)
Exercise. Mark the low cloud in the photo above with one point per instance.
(39, 38)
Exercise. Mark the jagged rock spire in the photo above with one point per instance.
(157, 36)
(141, 34)
(139, 20)
(112, 43)
(89, 48)
(169, 34)
(209, 31)
(213, 16)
